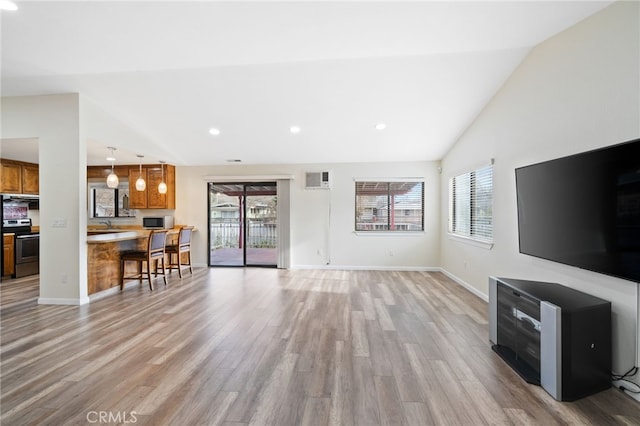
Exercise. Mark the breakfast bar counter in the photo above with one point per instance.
(104, 250)
(101, 237)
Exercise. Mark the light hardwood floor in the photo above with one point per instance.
(266, 346)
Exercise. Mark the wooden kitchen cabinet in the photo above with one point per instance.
(137, 199)
(30, 179)
(18, 177)
(155, 200)
(8, 249)
(150, 198)
(11, 178)
(101, 172)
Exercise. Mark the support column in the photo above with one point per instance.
(55, 121)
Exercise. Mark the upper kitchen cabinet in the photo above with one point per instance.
(30, 179)
(156, 200)
(137, 199)
(11, 178)
(18, 177)
(150, 198)
(101, 172)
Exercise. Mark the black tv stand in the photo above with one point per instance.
(552, 335)
(526, 371)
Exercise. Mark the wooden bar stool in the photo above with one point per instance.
(183, 245)
(155, 251)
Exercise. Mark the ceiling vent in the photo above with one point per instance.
(317, 180)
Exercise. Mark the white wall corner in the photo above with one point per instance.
(466, 285)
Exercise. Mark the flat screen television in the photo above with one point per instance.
(584, 210)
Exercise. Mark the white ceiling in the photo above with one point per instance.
(172, 70)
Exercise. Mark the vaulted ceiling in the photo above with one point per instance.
(252, 70)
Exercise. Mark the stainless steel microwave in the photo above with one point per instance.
(157, 222)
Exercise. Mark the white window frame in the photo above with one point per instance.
(389, 232)
(464, 224)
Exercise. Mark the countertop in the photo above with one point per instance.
(123, 236)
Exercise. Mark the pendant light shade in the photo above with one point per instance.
(141, 185)
(112, 179)
(162, 187)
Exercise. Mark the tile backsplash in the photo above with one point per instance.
(15, 212)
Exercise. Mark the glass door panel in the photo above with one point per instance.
(225, 219)
(261, 225)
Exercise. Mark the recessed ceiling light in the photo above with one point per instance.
(234, 160)
(381, 126)
(214, 131)
(8, 5)
(294, 129)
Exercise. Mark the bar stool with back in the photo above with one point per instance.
(183, 245)
(155, 252)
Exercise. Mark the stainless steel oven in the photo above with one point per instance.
(26, 246)
(27, 255)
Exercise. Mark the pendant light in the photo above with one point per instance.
(162, 187)
(141, 185)
(112, 179)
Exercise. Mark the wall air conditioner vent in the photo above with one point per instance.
(317, 180)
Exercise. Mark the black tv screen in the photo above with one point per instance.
(584, 210)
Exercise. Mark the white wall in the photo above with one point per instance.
(322, 222)
(576, 91)
(54, 120)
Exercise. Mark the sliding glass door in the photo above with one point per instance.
(261, 225)
(243, 224)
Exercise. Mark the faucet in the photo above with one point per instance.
(108, 223)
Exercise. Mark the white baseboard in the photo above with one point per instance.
(108, 292)
(466, 285)
(618, 383)
(63, 301)
(368, 268)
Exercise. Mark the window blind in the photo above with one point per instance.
(471, 204)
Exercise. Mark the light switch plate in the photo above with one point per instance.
(59, 223)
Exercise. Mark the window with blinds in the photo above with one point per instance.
(389, 206)
(470, 204)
